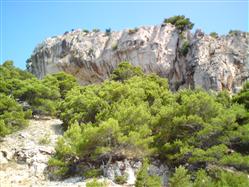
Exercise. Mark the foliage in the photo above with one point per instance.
(132, 31)
(85, 31)
(96, 30)
(243, 96)
(144, 179)
(234, 32)
(214, 34)
(122, 179)
(114, 46)
(12, 116)
(180, 178)
(45, 139)
(125, 71)
(95, 183)
(180, 22)
(91, 173)
(108, 32)
(42, 95)
(19, 88)
(202, 178)
(65, 82)
(134, 115)
(185, 47)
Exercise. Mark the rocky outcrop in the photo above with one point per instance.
(186, 59)
(24, 159)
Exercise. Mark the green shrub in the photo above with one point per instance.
(108, 32)
(125, 71)
(134, 115)
(66, 82)
(12, 116)
(202, 179)
(95, 183)
(121, 179)
(132, 31)
(92, 173)
(96, 30)
(85, 31)
(114, 46)
(234, 32)
(214, 34)
(144, 179)
(180, 22)
(185, 48)
(180, 178)
(45, 140)
(243, 96)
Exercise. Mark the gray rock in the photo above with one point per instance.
(212, 63)
(3, 159)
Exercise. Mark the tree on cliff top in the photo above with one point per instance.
(180, 22)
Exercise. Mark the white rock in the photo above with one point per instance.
(212, 63)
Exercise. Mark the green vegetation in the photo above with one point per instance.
(12, 116)
(95, 183)
(19, 88)
(144, 179)
(214, 34)
(121, 179)
(96, 30)
(45, 139)
(243, 96)
(114, 46)
(185, 48)
(108, 32)
(234, 32)
(132, 31)
(180, 22)
(85, 30)
(92, 173)
(220, 178)
(133, 115)
(125, 71)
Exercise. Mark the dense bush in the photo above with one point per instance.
(144, 179)
(125, 71)
(180, 22)
(12, 116)
(220, 178)
(136, 116)
(243, 96)
(214, 34)
(21, 89)
(95, 183)
(185, 48)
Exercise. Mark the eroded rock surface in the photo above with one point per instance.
(212, 63)
(24, 159)
(25, 153)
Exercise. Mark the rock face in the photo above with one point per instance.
(186, 59)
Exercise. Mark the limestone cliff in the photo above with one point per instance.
(186, 59)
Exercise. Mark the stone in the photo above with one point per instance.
(212, 63)
(3, 159)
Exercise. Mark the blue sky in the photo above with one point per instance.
(25, 24)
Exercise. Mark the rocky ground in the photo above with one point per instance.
(24, 156)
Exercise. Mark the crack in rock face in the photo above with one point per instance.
(187, 60)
